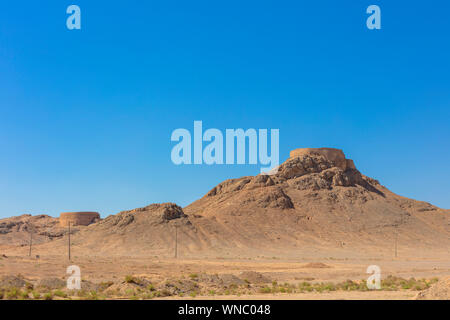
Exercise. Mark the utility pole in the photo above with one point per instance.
(176, 241)
(69, 241)
(31, 241)
(396, 240)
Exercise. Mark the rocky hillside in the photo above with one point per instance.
(318, 199)
(16, 230)
(316, 202)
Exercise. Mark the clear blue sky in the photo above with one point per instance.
(86, 116)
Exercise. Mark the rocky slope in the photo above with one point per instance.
(316, 202)
(16, 230)
(319, 199)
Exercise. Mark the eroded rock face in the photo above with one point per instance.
(320, 168)
(157, 212)
(170, 211)
(315, 198)
(329, 178)
(270, 197)
(275, 198)
(310, 170)
(302, 165)
(230, 185)
(166, 211)
(16, 230)
(22, 223)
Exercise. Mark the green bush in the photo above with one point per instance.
(130, 279)
(13, 293)
(265, 290)
(48, 296)
(24, 294)
(60, 294)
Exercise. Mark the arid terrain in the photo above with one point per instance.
(221, 278)
(308, 231)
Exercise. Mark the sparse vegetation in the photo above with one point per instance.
(129, 292)
(48, 296)
(194, 285)
(397, 283)
(13, 293)
(265, 290)
(390, 283)
(59, 293)
(24, 294)
(93, 295)
(130, 279)
(105, 285)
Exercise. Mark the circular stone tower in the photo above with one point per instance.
(78, 218)
(337, 156)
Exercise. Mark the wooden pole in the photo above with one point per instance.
(31, 242)
(396, 239)
(69, 242)
(176, 241)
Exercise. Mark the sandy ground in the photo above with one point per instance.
(98, 269)
(338, 295)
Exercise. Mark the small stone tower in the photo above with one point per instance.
(78, 218)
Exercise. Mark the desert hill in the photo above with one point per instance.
(317, 202)
(318, 199)
(16, 230)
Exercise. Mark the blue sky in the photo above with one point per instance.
(86, 115)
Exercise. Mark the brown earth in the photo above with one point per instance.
(316, 207)
(15, 231)
(439, 291)
(316, 202)
(217, 278)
